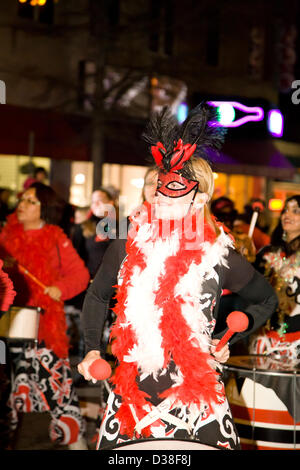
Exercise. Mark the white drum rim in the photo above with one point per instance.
(136, 441)
(31, 307)
(257, 371)
(17, 339)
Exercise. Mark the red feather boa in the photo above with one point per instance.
(32, 251)
(200, 382)
(7, 293)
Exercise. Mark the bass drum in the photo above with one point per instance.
(264, 398)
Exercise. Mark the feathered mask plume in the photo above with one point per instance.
(172, 145)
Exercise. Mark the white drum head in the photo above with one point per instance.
(20, 323)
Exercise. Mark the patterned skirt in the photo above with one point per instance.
(40, 382)
(215, 429)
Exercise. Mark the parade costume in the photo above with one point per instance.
(167, 384)
(281, 335)
(41, 375)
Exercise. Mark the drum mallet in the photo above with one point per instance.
(100, 369)
(34, 279)
(236, 322)
(257, 209)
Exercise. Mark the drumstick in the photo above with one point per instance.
(257, 208)
(236, 322)
(35, 279)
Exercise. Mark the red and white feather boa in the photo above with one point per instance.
(159, 316)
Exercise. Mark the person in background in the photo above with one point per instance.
(280, 264)
(242, 223)
(4, 207)
(90, 238)
(45, 270)
(263, 221)
(81, 214)
(224, 210)
(66, 220)
(89, 244)
(40, 175)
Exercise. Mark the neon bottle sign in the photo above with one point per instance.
(254, 113)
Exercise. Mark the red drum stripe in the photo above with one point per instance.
(262, 416)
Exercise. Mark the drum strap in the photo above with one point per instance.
(160, 411)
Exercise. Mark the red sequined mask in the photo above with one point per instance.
(181, 153)
(183, 186)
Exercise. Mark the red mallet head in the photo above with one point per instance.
(237, 321)
(257, 206)
(100, 369)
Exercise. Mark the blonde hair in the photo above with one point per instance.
(151, 169)
(204, 175)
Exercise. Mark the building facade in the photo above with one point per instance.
(94, 67)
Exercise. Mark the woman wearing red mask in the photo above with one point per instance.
(174, 265)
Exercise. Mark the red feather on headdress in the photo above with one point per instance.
(172, 145)
(158, 151)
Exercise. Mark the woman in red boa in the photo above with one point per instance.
(56, 273)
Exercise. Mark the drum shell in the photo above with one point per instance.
(262, 419)
(20, 323)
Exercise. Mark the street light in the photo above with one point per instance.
(34, 3)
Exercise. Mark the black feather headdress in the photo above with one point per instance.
(173, 144)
